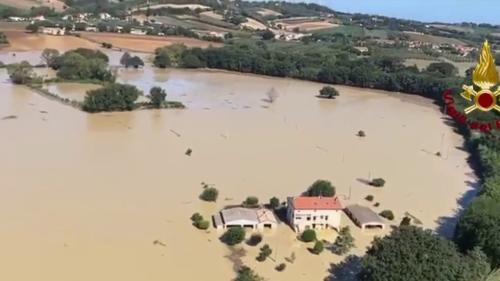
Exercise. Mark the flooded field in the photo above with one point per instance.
(84, 197)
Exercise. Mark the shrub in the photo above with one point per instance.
(274, 202)
(308, 235)
(376, 204)
(255, 239)
(361, 133)
(369, 198)
(209, 194)
(203, 224)
(196, 217)
(328, 92)
(199, 222)
(247, 274)
(157, 97)
(267, 35)
(388, 214)
(107, 45)
(233, 236)
(21, 73)
(321, 188)
(405, 221)
(251, 201)
(280, 267)
(378, 182)
(344, 242)
(265, 252)
(318, 248)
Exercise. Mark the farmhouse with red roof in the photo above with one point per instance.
(314, 212)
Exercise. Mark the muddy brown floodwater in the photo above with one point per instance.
(83, 197)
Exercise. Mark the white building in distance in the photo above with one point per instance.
(259, 218)
(53, 30)
(314, 212)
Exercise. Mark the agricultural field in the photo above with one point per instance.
(433, 39)
(268, 13)
(143, 43)
(27, 4)
(347, 30)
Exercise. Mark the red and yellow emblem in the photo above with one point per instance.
(485, 76)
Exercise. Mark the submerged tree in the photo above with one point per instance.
(344, 242)
(49, 56)
(21, 73)
(157, 97)
(328, 92)
(412, 254)
(321, 188)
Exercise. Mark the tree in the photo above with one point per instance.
(344, 242)
(318, 247)
(233, 236)
(444, 68)
(191, 61)
(157, 97)
(83, 64)
(388, 214)
(267, 35)
(199, 222)
(135, 62)
(209, 194)
(247, 274)
(412, 254)
(251, 201)
(361, 134)
(265, 251)
(328, 92)
(162, 60)
(378, 182)
(479, 227)
(308, 235)
(21, 73)
(124, 59)
(254, 239)
(112, 97)
(321, 188)
(49, 56)
(274, 202)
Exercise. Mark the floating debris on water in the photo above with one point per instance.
(159, 243)
(9, 117)
(175, 133)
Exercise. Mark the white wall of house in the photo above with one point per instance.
(301, 220)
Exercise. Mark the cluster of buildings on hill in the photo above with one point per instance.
(302, 213)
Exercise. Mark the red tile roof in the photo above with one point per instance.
(316, 203)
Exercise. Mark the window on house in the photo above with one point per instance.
(308, 218)
(320, 217)
(326, 217)
(314, 218)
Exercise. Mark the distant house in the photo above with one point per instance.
(53, 30)
(362, 50)
(17, 19)
(38, 18)
(104, 16)
(314, 212)
(364, 217)
(245, 217)
(91, 28)
(137, 31)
